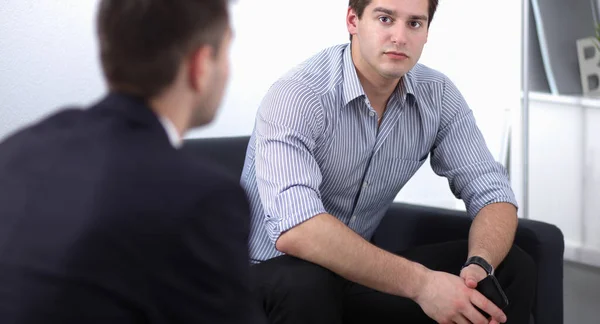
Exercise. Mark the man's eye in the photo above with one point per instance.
(385, 20)
(415, 24)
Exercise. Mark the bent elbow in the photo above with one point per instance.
(288, 242)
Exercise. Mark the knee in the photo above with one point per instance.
(310, 280)
(521, 266)
(301, 292)
(526, 264)
(300, 282)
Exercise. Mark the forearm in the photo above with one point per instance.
(326, 241)
(492, 232)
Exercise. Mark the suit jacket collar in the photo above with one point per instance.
(133, 109)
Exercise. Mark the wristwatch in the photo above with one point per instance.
(480, 262)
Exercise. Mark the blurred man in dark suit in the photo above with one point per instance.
(102, 218)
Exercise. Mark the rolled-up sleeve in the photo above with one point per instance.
(461, 155)
(290, 119)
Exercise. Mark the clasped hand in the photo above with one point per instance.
(447, 298)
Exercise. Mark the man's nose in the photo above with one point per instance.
(400, 34)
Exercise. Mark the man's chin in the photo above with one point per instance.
(397, 72)
(393, 75)
(393, 72)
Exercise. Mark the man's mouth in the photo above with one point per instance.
(396, 55)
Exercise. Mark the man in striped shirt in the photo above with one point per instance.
(335, 140)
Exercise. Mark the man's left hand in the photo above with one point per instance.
(472, 274)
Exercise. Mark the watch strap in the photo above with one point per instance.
(480, 262)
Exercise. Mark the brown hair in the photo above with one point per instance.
(142, 42)
(360, 5)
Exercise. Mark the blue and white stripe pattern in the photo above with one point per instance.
(316, 148)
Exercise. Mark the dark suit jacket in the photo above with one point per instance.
(103, 221)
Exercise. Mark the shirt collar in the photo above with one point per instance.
(408, 84)
(171, 131)
(352, 87)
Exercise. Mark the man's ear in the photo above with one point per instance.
(201, 68)
(351, 21)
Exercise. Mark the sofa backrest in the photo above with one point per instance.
(228, 152)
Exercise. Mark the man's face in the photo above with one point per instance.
(214, 89)
(389, 37)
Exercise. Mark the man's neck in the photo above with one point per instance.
(175, 108)
(377, 88)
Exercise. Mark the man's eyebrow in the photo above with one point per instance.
(385, 11)
(419, 17)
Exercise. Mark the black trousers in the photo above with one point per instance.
(294, 291)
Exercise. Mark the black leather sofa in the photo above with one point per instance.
(408, 225)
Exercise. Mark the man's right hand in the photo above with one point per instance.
(446, 299)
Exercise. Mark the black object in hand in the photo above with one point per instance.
(490, 288)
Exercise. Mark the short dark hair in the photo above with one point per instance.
(360, 5)
(142, 42)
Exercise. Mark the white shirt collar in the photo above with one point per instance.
(171, 131)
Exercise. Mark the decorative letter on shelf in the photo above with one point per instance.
(588, 53)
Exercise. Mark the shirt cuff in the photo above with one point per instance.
(291, 208)
(475, 207)
(493, 187)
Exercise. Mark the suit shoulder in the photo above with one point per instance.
(208, 176)
(214, 191)
(56, 121)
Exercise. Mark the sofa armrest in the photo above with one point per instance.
(408, 225)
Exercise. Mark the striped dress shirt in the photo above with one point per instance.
(317, 148)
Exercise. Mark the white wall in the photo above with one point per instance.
(480, 52)
(271, 36)
(48, 59)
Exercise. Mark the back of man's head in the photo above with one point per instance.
(143, 42)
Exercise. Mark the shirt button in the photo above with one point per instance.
(365, 184)
(352, 219)
(372, 114)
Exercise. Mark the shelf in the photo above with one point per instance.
(587, 102)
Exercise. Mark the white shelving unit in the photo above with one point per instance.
(555, 142)
(564, 170)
